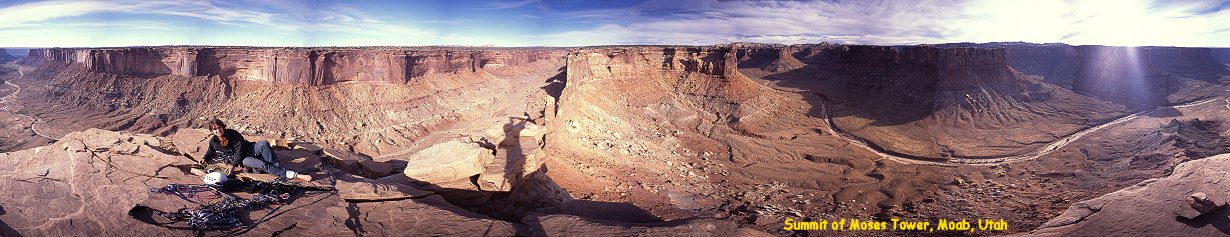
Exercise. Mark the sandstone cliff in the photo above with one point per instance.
(779, 59)
(5, 56)
(934, 102)
(1221, 55)
(1194, 63)
(304, 66)
(1132, 75)
(372, 101)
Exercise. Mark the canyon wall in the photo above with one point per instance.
(1221, 54)
(1194, 63)
(1138, 75)
(937, 102)
(5, 56)
(307, 66)
(879, 91)
(400, 96)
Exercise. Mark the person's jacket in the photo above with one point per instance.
(236, 148)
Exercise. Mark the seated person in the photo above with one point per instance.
(229, 145)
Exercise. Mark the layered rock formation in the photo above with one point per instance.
(935, 102)
(401, 94)
(1221, 55)
(780, 59)
(1134, 75)
(1194, 63)
(292, 65)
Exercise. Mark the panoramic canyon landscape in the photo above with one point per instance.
(740, 137)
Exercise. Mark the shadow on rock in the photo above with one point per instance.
(1217, 219)
(5, 230)
(525, 189)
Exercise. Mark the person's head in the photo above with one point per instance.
(216, 127)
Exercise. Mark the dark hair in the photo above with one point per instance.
(216, 123)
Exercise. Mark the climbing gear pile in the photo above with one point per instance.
(225, 214)
(188, 191)
(230, 213)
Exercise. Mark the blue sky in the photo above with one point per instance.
(80, 23)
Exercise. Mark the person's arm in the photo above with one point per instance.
(237, 155)
(237, 144)
(209, 153)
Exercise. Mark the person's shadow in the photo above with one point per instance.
(533, 193)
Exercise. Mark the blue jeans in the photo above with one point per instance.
(268, 161)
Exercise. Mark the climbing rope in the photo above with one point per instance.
(188, 192)
(225, 214)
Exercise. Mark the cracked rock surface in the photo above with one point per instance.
(86, 183)
(1150, 208)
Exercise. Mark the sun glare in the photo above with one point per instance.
(1130, 23)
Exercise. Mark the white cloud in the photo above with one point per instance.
(285, 18)
(40, 11)
(506, 5)
(697, 22)
(1109, 22)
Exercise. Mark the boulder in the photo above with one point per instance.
(511, 164)
(529, 130)
(514, 130)
(308, 146)
(343, 159)
(191, 142)
(1202, 203)
(1198, 204)
(298, 160)
(447, 162)
(358, 189)
(358, 164)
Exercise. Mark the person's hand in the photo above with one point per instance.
(236, 169)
